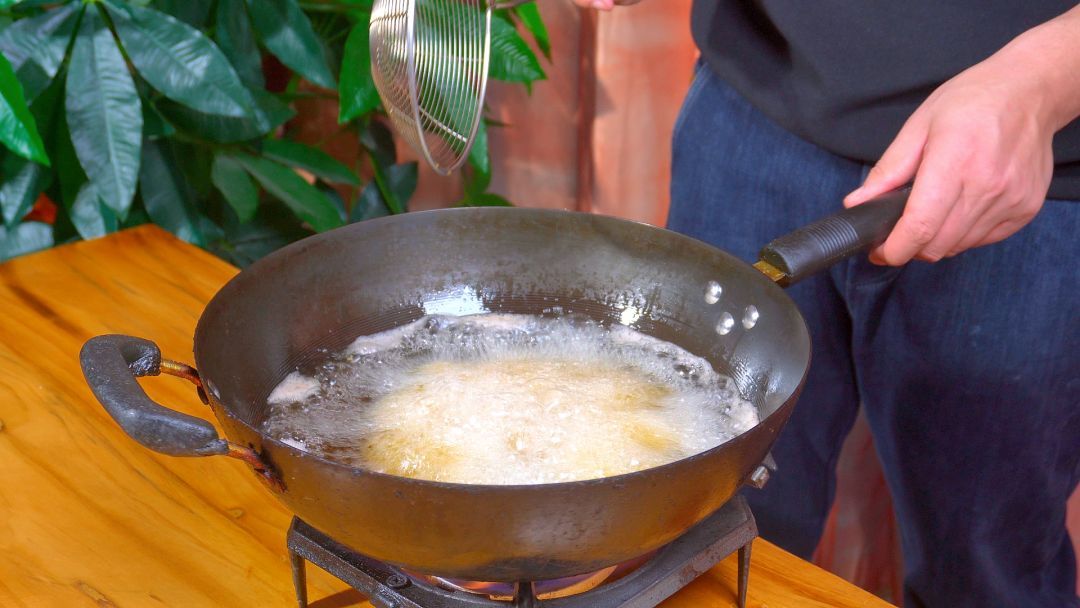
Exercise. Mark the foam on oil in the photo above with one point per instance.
(508, 399)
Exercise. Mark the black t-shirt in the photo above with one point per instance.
(847, 74)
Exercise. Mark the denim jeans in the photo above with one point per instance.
(964, 367)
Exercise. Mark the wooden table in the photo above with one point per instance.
(90, 518)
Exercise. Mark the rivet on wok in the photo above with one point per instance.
(759, 477)
(727, 322)
(750, 317)
(712, 292)
(396, 581)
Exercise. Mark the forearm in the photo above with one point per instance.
(604, 5)
(1047, 59)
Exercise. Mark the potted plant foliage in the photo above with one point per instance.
(175, 112)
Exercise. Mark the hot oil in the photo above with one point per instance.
(508, 399)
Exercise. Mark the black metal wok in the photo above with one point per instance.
(326, 290)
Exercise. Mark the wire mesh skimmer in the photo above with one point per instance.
(429, 60)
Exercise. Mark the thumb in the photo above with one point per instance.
(896, 166)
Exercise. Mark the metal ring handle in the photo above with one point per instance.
(111, 363)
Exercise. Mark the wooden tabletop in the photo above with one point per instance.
(90, 518)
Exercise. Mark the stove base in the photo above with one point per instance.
(729, 529)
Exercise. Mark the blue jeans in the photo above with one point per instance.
(963, 367)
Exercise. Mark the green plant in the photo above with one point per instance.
(118, 113)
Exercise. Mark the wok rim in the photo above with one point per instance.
(372, 224)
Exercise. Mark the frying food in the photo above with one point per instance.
(509, 399)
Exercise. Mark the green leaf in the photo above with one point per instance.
(235, 185)
(194, 163)
(192, 12)
(485, 199)
(89, 215)
(480, 161)
(235, 39)
(511, 58)
(335, 199)
(36, 46)
(137, 217)
(529, 14)
(180, 61)
(396, 185)
(310, 159)
(104, 114)
(369, 205)
(401, 180)
(154, 124)
(357, 93)
(243, 243)
(27, 237)
(166, 195)
(271, 114)
(212, 232)
(286, 32)
(284, 184)
(23, 181)
(69, 172)
(31, 5)
(18, 130)
(378, 140)
(48, 109)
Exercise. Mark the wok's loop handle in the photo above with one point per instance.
(815, 247)
(111, 363)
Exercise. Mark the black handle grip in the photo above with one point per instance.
(815, 247)
(110, 364)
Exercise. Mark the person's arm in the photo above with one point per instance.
(604, 5)
(979, 148)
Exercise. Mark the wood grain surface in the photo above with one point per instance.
(90, 518)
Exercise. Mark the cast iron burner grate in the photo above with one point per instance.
(731, 528)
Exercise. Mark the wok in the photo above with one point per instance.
(324, 291)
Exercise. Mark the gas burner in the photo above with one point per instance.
(641, 583)
(544, 590)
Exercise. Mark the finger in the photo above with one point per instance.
(978, 232)
(989, 236)
(990, 232)
(1003, 231)
(961, 219)
(937, 188)
(896, 166)
(603, 5)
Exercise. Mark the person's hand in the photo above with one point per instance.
(604, 5)
(979, 151)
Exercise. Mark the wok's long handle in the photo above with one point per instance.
(111, 363)
(815, 247)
